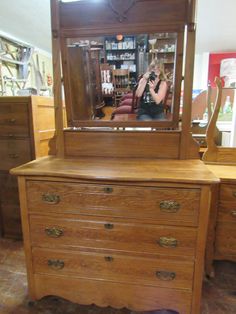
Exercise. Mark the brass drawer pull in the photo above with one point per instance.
(233, 213)
(50, 198)
(56, 264)
(108, 258)
(11, 121)
(165, 275)
(108, 226)
(167, 242)
(169, 206)
(54, 232)
(108, 189)
(14, 156)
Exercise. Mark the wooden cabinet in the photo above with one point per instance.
(121, 53)
(140, 243)
(83, 70)
(26, 126)
(224, 244)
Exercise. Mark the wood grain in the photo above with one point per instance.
(117, 295)
(135, 202)
(120, 169)
(114, 267)
(126, 236)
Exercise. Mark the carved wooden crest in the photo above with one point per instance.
(121, 7)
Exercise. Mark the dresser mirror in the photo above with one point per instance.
(101, 75)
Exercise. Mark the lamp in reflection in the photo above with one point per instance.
(119, 37)
(152, 51)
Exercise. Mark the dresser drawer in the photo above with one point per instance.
(228, 193)
(14, 120)
(118, 295)
(227, 212)
(14, 153)
(114, 267)
(177, 205)
(113, 235)
(226, 238)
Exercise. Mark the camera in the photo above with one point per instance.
(152, 76)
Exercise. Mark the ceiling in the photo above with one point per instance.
(29, 21)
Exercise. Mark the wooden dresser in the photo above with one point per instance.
(26, 126)
(119, 216)
(222, 162)
(100, 231)
(224, 244)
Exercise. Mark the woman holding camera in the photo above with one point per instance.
(151, 90)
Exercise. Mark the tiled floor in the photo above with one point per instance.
(219, 294)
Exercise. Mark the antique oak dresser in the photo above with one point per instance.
(118, 217)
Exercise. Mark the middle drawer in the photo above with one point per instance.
(112, 235)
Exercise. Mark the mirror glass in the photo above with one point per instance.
(121, 77)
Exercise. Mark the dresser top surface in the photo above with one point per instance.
(224, 172)
(119, 169)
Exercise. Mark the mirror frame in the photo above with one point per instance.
(86, 18)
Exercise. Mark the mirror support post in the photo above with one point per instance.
(187, 97)
(57, 90)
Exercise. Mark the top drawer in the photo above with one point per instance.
(228, 193)
(14, 120)
(165, 204)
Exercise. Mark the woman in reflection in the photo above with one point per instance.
(152, 90)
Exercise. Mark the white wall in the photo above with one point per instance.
(216, 32)
(216, 26)
(201, 65)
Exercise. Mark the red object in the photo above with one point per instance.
(127, 96)
(126, 102)
(214, 64)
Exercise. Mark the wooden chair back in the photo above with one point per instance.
(120, 78)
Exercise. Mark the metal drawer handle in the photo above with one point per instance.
(108, 189)
(13, 156)
(11, 121)
(51, 199)
(108, 226)
(167, 242)
(108, 258)
(54, 232)
(165, 275)
(56, 264)
(169, 206)
(233, 213)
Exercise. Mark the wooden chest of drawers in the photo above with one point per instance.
(125, 243)
(225, 242)
(26, 126)
(223, 222)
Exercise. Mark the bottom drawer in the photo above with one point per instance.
(117, 295)
(226, 239)
(114, 267)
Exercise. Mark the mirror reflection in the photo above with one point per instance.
(122, 77)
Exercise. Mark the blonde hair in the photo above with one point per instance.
(154, 64)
